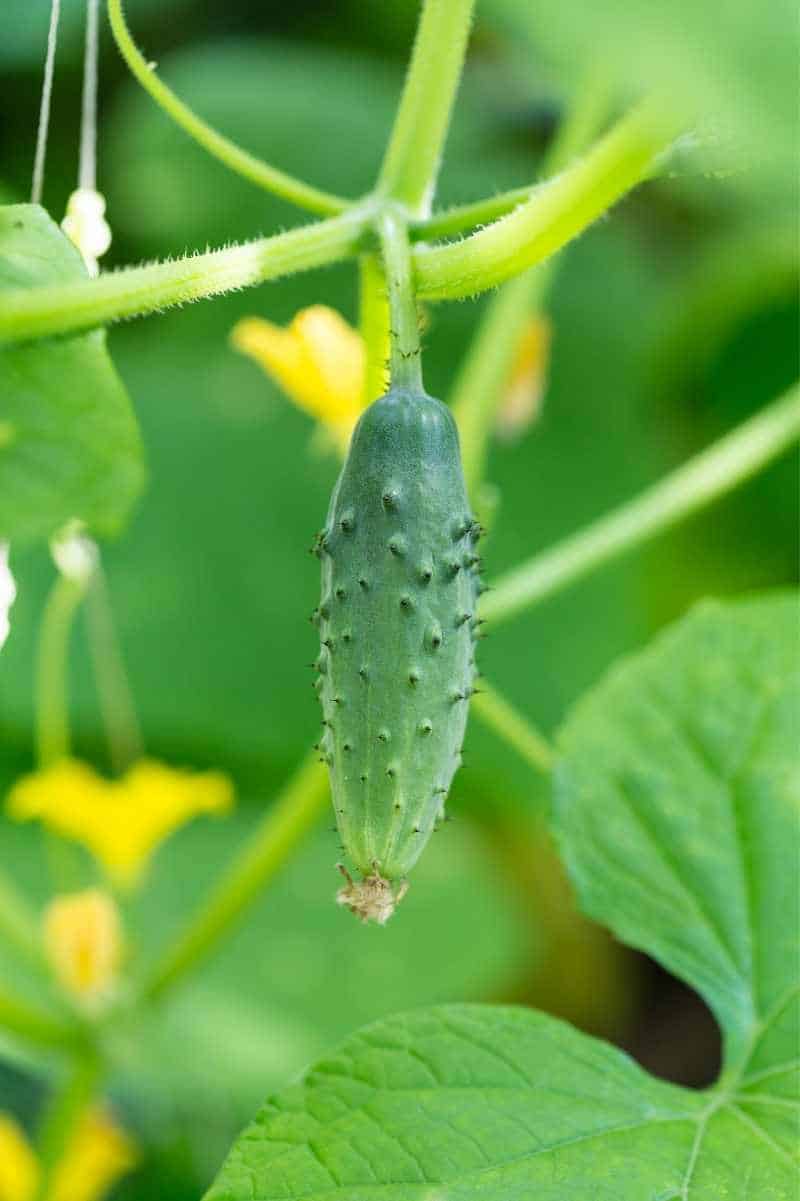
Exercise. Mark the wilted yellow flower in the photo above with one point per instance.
(99, 1154)
(19, 1169)
(83, 941)
(318, 360)
(120, 821)
(525, 388)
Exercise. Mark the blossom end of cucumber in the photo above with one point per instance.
(372, 899)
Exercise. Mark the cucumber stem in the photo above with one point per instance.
(373, 325)
(405, 360)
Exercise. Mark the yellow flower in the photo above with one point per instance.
(318, 360)
(97, 1156)
(19, 1170)
(120, 821)
(83, 941)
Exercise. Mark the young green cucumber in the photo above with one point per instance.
(398, 627)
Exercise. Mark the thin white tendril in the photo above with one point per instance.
(44, 108)
(87, 164)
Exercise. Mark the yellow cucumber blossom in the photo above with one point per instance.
(123, 821)
(85, 225)
(94, 1160)
(318, 360)
(83, 941)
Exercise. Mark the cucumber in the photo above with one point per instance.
(398, 626)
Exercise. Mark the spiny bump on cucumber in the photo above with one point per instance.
(397, 631)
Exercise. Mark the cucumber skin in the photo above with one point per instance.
(398, 628)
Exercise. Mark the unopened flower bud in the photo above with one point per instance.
(86, 226)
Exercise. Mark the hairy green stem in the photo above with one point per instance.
(65, 308)
(703, 479)
(411, 164)
(252, 168)
(551, 218)
(52, 707)
(518, 731)
(283, 826)
(555, 214)
(373, 325)
(405, 359)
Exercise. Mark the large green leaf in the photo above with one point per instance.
(69, 443)
(676, 803)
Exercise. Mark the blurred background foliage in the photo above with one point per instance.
(672, 320)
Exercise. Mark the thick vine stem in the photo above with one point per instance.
(555, 213)
(66, 308)
(412, 158)
(405, 360)
(703, 479)
(241, 161)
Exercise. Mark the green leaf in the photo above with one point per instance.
(674, 803)
(69, 443)
(487, 1102)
